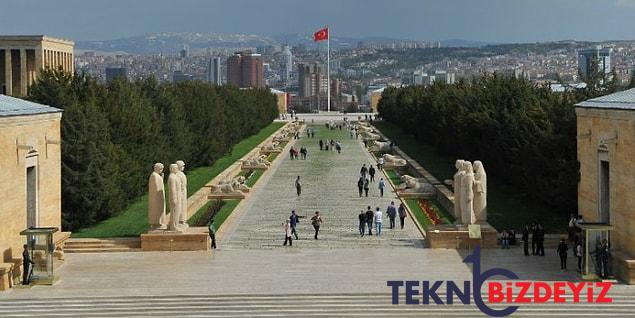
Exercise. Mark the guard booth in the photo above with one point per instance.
(593, 236)
(40, 246)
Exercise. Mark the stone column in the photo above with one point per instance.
(23, 73)
(39, 63)
(8, 78)
(72, 63)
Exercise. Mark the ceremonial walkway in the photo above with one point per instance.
(330, 186)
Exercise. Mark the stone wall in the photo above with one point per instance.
(613, 132)
(28, 131)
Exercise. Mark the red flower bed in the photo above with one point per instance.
(430, 212)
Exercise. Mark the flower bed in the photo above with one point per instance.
(431, 213)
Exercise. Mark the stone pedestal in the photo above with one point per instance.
(194, 239)
(624, 267)
(457, 237)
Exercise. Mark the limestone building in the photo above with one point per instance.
(606, 152)
(22, 57)
(31, 176)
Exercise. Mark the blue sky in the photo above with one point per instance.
(479, 20)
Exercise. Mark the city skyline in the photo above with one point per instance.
(496, 21)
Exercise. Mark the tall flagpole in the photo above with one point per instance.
(328, 68)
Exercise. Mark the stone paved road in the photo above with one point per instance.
(329, 186)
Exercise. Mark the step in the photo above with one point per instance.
(102, 250)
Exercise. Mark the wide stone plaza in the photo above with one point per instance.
(252, 274)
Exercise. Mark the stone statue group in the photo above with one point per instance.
(470, 192)
(177, 185)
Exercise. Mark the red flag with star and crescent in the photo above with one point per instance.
(321, 35)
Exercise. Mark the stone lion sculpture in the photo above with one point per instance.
(370, 136)
(411, 184)
(260, 162)
(393, 161)
(380, 146)
(272, 146)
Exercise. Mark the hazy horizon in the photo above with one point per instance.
(494, 21)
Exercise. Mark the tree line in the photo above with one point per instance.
(524, 133)
(113, 134)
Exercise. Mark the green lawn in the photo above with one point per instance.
(253, 178)
(133, 220)
(507, 207)
(393, 176)
(227, 208)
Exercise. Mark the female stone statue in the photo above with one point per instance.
(183, 178)
(457, 188)
(156, 198)
(174, 184)
(467, 193)
(480, 192)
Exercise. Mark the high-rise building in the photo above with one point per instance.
(594, 59)
(22, 57)
(185, 51)
(213, 71)
(114, 72)
(312, 80)
(245, 69)
(287, 64)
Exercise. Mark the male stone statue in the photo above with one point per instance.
(467, 193)
(183, 178)
(480, 192)
(174, 185)
(156, 198)
(457, 188)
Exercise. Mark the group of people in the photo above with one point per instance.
(366, 176)
(290, 226)
(310, 133)
(294, 153)
(367, 218)
(331, 144)
(537, 233)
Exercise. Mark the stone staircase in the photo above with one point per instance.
(293, 305)
(92, 245)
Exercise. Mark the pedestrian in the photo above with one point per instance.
(291, 153)
(321, 144)
(562, 252)
(540, 244)
(526, 240)
(391, 211)
(369, 220)
(294, 219)
(534, 238)
(298, 185)
(578, 254)
(287, 233)
(378, 216)
(352, 132)
(212, 233)
(604, 259)
(27, 266)
(360, 186)
(362, 222)
(371, 173)
(338, 147)
(363, 171)
(382, 185)
(303, 152)
(366, 185)
(316, 221)
(505, 239)
(402, 214)
(380, 163)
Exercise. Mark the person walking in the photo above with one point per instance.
(294, 219)
(362, 223)
(338, 147)
(316, 221)
(212, 233)
(363, 171)
(380, 163)
(402, 214)
(378, 217)
(525, 239)
(540, 244)
(371, 173)
(360, 186)
(369, 220)
(366, 186)
(27, 266)
(605, 253)
(578, 254)
(298, 185)
(562, 252)
(534, 238)
(287, 233)
(321, 144)
(391, 211)
(381, 185)
(505, 239)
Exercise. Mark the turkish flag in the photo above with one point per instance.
(321, 35)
